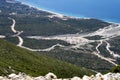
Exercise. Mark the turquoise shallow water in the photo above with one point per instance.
(108, 10)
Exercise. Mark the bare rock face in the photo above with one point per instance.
(76, 78)
(51, 76)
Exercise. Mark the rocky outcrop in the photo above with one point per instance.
(51, 76)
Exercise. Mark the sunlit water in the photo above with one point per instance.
(101, 9)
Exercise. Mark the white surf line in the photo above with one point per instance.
(54, 14)
(47, 49)
(15, 31)
(111, 52)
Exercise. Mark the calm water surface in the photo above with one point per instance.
(101, 9)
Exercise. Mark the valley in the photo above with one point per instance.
(86, 42)
(78, 39)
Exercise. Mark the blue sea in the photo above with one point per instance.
(108, 10)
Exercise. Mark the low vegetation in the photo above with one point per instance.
(15, 59)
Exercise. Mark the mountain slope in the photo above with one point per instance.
(36, 22)
(21, 60)
(85, 42)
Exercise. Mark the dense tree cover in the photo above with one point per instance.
(35, 22)
(81, 57)
(45, 26)
(18, 8)
(116, 69)
(15, 59)
(105, 52)
(42, 44)
(5, 24)
(115, 42)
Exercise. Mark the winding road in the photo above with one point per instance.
(79, 39)
(21, 41)
(97, 47)
(17, 33)
(76, 39)
(111, 52)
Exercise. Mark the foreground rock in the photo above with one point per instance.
(51, 76)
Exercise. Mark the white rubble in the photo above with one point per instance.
(76, 78)
(51, 76)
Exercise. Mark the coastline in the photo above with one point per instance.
(53, 12)
(63, 15)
